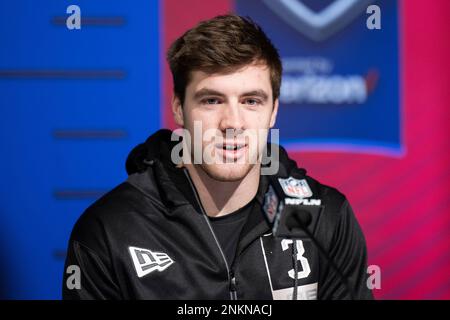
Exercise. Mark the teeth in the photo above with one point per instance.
(232, 147)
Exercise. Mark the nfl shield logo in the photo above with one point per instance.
(295, 188)
(320, 25)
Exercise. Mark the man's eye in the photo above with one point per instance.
(252, 102)
(211, 101)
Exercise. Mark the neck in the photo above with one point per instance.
(220, 198)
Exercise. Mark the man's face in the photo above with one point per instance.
(232, 110)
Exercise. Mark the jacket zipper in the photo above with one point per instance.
(230, 274)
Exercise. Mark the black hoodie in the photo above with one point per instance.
(149, 238)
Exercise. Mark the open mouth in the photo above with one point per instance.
(233, 147)
(232, 150)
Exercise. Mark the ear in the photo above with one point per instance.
(273, 117)
(177, 110)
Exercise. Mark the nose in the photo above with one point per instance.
(231, 117)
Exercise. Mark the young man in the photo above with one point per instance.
(194, 228)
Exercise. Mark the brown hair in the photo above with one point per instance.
(222, 44)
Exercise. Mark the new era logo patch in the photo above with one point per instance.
(146, 261)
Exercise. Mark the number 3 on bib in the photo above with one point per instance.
(306, 270)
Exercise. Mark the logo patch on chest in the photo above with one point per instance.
(146, 261)
(295, 188)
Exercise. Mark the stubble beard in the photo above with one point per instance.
(220, 172)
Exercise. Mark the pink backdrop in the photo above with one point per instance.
(402, 203)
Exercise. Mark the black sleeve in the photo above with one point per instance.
(88, 256)
(348, 251)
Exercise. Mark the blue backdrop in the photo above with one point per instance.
(73, 103)
(350, 77)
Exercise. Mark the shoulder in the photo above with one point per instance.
(125, 204)
(337, 219)
(92, 222)
(336, 210)
(329, 196)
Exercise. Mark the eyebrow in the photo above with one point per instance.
(210, 92)
(207, 92)
(257, 93)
